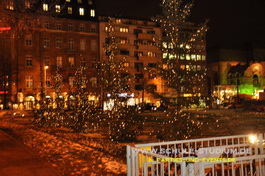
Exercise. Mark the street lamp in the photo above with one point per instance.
(45, 76)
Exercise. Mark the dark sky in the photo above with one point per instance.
(231, 21)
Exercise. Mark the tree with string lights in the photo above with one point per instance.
(179, 78)
(113, 79)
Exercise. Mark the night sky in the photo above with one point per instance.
(231, 21)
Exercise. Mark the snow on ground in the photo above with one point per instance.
(68, 157)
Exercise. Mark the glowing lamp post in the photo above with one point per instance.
(45, 76)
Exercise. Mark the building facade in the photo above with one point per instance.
(65, 39)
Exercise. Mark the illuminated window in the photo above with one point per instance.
(59, 42)
(124, 40)
(71, 81)
(58, 8)
(27, 4)
(109, 29)
(70, 10)
(93, 45)
(45, 7)
(165, 55)
(46, 42)
(59, 61)
(172, 56)
(79, 1)
(10, 5)
(123, 29)
(92, 13)
(198, 67)
(81, 11)
(193, 57)
(82, 44)
(126, 64)
(28, 60)
(199, 57)
(187, 67)
(68, 0)
(182, 67)
(82, 28)
(90, 2)
(71, 61)
(182, 57)
(28, 40)
(29, 81)
(71, 44)
(151, 54)
(70, 27)
(117, 21)
(203, 57)
(187, 57)
(46, 61)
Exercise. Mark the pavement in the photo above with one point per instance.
(17, 160)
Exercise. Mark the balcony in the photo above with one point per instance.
(145, 36)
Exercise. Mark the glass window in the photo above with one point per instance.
(124, 29)
(71, 44)
(93, 45)
(28, 40)
(28, 60)
(57, 8)
(70, 10)
(47, 61)
(29, 81)
(71, 61)
(81, 11)
(92, 13)
(82, 44)
(59, 26)
(59, 61)
(71, 81)
(46, 42)
(82, 28)
(59, 42)
(70, 27)
(93, 81)
(45, 7)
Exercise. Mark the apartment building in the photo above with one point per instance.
(136, 43)
(66, 37)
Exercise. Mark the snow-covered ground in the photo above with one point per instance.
(67, 156)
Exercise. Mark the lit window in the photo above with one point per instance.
(193, 57)
(198, 67)
(28, 60)
(164, 55)
(172, 56)
(71, 81)
(46, 42)
(187, 67)
(70, 27)
(71, 44)
(90, 2)
(29, 81)
(123, 29)
(10, 5)
(82, 28)
(83, 44)
(57, 8)
(59, 61)
(79, 1)
(28, 40)
(92, 13)
(203, 57)
(151, 54)
(127, 64)
(71, 61)
(81, 11)
(182, 57)
(70, 10)
(59, 43)
(93, 45)
(124, 40)
(199, 57)
(47, 61)
(182, 67)
(109, 29)
(187, 57)
(27, 4)
(68, 0)
(45, 7)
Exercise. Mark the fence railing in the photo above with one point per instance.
(189, 157)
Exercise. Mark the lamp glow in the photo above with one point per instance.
(252, 139)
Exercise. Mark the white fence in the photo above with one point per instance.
(239, 155)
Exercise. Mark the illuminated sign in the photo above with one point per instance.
(3, 92)
(5, 28)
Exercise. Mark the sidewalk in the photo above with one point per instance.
(16, 160)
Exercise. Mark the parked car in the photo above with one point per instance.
(150, 107)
